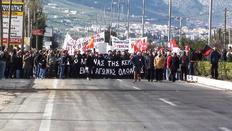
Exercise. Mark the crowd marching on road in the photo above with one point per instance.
(156, 65)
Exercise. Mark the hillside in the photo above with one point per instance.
(196, 9)
(90, 11)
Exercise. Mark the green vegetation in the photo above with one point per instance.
(225, 69)
(194, 44)
(38, 19)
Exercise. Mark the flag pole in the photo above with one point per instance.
(143, 18)
(9, 26)
(170, 20)
(210, 21)
(128, 19)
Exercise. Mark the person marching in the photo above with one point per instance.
(159, 65)
(89, 65)
(138, 63)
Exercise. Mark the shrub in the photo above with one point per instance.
(225, 69)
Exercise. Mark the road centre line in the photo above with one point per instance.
(167, 102)
(132, 86)
(136, 88)
(46, 118)
(224, 129)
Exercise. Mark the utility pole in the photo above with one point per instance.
(225, 22)
(210, 21)
(143, 21)
(22, 48)
(36, 27)
(9, 26)
(118, 16)
(170, 20)
(128, 19)
(229, 35)
(112, 15)
(29, 25)
(1, 25)
(180, 29)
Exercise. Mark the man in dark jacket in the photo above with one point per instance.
(174, 67)
(214, 59)
(184, 66)
(76, 64)
(2, 64)
(138, 64)
(89, 65)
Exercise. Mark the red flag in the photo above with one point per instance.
(91, 43)
(173, 43)
(207, 50)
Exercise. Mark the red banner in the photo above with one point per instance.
(38, 32)
(13, 41)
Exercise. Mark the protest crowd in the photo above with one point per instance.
(152, 65)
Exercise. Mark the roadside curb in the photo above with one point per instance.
(226, 85)
(11, 84)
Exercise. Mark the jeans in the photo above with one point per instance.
(183, 75)
(37, 71)
(2, 69)
(191, 69)
(214, 70)
(27, 73)
(61, 71)
(42, 73)
(18, 74)
(168, 73)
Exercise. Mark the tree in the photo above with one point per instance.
(38, 19)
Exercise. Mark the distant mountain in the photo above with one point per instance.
(197, 9)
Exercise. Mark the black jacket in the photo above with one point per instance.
(215, 57)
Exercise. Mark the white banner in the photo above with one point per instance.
(81, 44)
(120, 45)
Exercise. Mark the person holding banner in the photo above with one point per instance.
(138, 63)
(89, 65)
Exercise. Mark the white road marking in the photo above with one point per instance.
(46, 119)
(136, 88)
(167, 102)
(55, 83)
(206, 86)
(224, 129)
(119, 80)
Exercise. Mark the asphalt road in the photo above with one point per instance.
(117, 105)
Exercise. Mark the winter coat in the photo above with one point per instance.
(137, 61)
(215, 57)
(159, 62)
